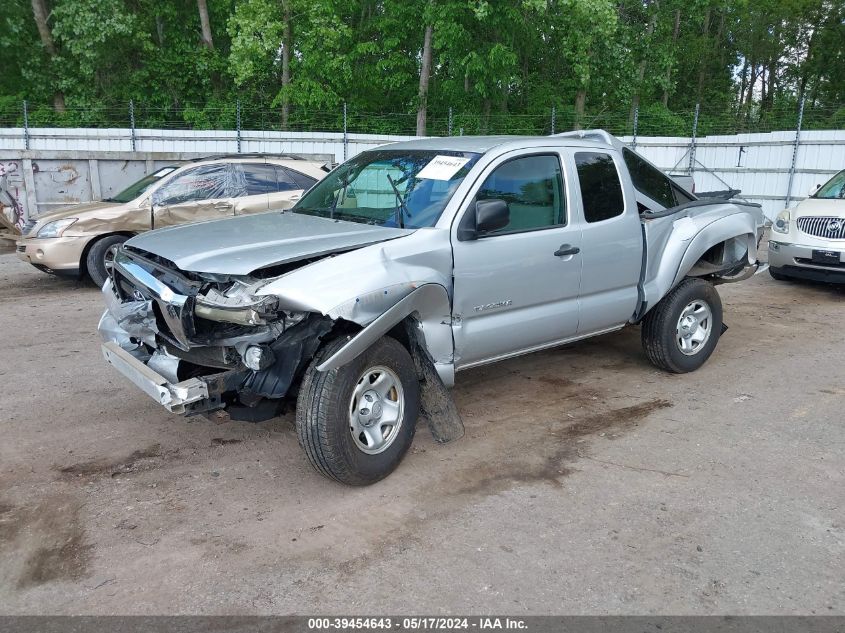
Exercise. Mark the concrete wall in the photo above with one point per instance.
(46, 168)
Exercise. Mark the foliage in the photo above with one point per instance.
(498, 65)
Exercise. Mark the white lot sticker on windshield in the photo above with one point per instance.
(442, 167)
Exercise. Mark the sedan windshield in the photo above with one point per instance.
(136, 189)
(395, 188)
(833, 189)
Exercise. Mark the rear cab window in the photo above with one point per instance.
(601, 189)
(653, 183)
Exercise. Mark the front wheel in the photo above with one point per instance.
(680, 333)
(101, 257)
(357, 422)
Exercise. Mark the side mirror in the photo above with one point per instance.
(491, 215)
(813, 190)
(487, 216)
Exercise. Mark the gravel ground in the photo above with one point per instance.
(588, 482)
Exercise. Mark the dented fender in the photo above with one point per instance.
(674, 244)
(429, 305)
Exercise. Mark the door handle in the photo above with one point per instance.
(223, 205)
(566, 249)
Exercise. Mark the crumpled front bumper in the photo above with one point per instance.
(174, 397)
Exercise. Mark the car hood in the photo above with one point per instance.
(76, 211)
(821, 207)
(240, 245)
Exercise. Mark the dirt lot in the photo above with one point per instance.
(588, 482)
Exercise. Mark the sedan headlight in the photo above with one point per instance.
(781, 223)
(56, 228)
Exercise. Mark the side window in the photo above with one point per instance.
(533, 188)
(601, 191)
(302, 181)
(284, 180)
(202, 183)
(260, 179)
(649, 180)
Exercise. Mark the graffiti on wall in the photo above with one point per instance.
(11, 192)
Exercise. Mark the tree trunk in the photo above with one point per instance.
(160, 31)
(635, 100)
(675, 33)
(425, 74)
(749, 95)
(580, 103)
(287, 43)
(39, 11)
(205, 23)
(485, 116)
(802, 85)
(702, 64)
(743, 80)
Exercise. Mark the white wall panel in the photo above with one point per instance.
(757, 164)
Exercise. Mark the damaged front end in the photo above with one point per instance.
(201, 342)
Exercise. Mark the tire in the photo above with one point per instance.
(96, 262)
(336, 439)
(778, 276)
(673, 330)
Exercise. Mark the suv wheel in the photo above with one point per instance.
(100, 257)
(680, 333)
(356, 423)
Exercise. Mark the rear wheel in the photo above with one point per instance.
(356, 423)
(100, 257)
(680, 333)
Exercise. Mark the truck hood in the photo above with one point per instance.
(240, 245)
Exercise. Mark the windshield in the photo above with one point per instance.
(833, 189)
(396, 188)
(135, 190)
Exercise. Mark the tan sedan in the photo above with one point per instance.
(82, 239)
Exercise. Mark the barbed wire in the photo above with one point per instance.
(650, 121)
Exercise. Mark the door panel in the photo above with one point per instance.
(612, 244)
(251, 204)
(284, 199)
(512, 292)
(193, 211)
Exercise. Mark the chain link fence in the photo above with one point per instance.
(647, 121)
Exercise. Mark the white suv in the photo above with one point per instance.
(808, 242)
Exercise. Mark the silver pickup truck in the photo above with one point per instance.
(409, 263)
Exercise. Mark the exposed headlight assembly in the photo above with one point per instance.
(781, 223)
(236, 304)
(55, 228)
(252, 314)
